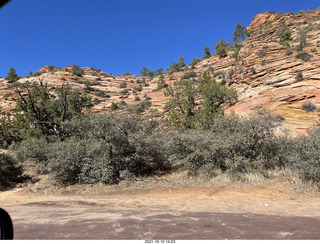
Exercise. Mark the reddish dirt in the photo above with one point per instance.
(269, 211)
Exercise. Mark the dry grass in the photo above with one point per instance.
(174, 180)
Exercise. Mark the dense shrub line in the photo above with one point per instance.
(98, 148)
(77, 147)
(105, 148)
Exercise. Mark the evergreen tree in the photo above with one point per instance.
(40, 115)
(194, 62)
(176, 67)
(194, 106)
(147, 72)
(221, 48)
(206, 52)
(12, 76)
(239, 33)
(284, 33)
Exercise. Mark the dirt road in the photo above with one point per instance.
(271, 211)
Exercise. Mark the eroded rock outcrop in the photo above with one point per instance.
(266, 74)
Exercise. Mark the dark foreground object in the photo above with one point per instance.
(48, 221)
(6, 227)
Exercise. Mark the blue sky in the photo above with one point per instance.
(121, 35)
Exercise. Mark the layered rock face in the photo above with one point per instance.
(266, 74)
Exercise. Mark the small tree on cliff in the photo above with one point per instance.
(239, 33)
(194, 106)
(39, 115)
(206, 52)
(221, 48)
(12, 75)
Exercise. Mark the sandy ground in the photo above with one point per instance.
(164, 212)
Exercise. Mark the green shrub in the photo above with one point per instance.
(284, 33)
(239, 33)
(10, 172)
(147, 72)
(76, 70)
(289, 52)
(221, 48)
(125, 91)
(100, 93)
(262, 53)
(176, 67)
(235, 145)
(189, 75)
(123, 85)
(12, 76)
(40, 113)
(161, 83)
(253, 70)
(231, 73)
(114, 106)
(102, 148)
(18, 84)
(299, 76)
(38, 73)
(96, 101)
(138, 88)
(304, 56)
(303, 156)
(193, 106)
(206, 53)
(195, 61)
(309, 106)
(122, 103)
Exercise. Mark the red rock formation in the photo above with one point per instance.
(264, 75)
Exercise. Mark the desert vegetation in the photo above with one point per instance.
(62, 139)
(54, 130)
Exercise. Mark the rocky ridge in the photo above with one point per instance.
(265, 75)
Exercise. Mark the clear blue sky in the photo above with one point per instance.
(121, 35)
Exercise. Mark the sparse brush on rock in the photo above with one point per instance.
(253, 70)
(299, 76)
(176, 67)
(309, 106)
(262, 53)
(221, 48)
(189, 75)
(289, 52)
(123, 85)
(194, 62)
(114, 106)
(304, 56)
(284, 33)
(76, 70)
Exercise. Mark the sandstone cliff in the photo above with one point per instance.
(266, 74)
